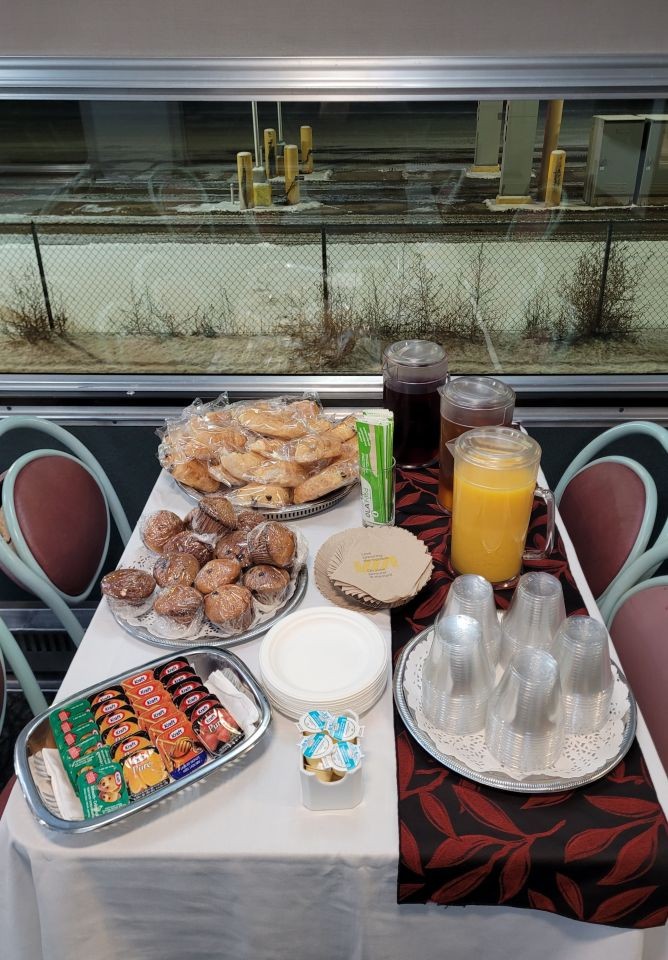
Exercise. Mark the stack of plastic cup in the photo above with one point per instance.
(533, 617)
(581, 647)
(457, 677)
(473, 596)
(525, 717)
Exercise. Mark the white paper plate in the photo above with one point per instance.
(296, 708)
(323, 655)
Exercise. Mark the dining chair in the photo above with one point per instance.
(56, 510)
(14, 656)
(636, 612)
(609, 506)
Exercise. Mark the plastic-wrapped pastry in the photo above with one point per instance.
(234, 546)
(247, 519)
(176, 568)
(304, 409)
(213, 515)
(180, 605)
(285, 473)
(129, 591)
(262, 495)
(266, 447)
(336, 475)
(350, 449)
(231, 607)
(268, 584)
(223, 476)
(345, 429)
(315, 447)
(215, 573)
(272, 543)
(160, 527)
(188, 543)
(240, 465)
(270, 424)
(194, 473)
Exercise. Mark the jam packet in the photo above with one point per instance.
(217, 730)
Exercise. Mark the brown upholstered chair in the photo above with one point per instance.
(609, 507)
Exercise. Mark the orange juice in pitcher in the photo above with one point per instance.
(494, 487)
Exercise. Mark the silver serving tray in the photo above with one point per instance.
(292, 512)
(36, 734)
(497, 778)
(208, 634)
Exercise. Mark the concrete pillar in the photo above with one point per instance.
(555, 178)
(519, 136)
(306, 137)
(488, 136)
(270, 153)
(291, 159)
(245, 176)
(555, 109)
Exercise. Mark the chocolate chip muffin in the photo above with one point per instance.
(215, 574)
(272, 543)
(129, 585)
(247, 519)
(233, 546)
(213, 515)
(187, 542)
(231, 607)
(268, 584)
(180, 605)
(176, 568)
(160, 527)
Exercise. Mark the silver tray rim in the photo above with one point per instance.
(51, 822)
(293, 512)
(556, 785)
(212, 640)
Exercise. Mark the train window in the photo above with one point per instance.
(530, 237)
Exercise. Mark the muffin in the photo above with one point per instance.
(213, 515)
(176, 568)
(234, 546)
(160, 527)
(179, 605)
(215, 574)
(230, 607)
(128, 591)
(268, 584)
(247, 519)
(272, 543)
(187, 542)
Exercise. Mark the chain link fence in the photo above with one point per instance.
(464, 281)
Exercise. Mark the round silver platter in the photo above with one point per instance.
(209, 636)
(292, 512)
(497, 778)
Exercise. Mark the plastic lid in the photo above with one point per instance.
(478, 393)
(415, 361)
(497, 448)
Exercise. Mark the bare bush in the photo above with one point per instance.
(145, 317)
(537, 317)
(25, 317)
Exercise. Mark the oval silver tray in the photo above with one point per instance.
(208, 633)
(497, 778)
(36, 735)
(293, 512)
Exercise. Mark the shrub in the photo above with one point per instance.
(25, 317)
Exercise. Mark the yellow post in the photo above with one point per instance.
(270, 153)
(555, 178)
(245, 175)
(291, 160)
(555, 109)
(306, 136)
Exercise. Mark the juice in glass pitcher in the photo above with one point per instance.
(494, 488)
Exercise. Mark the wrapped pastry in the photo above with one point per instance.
(213, 515)
(159, 527)
(240, 465)
(187, 542)
(176, 568)
(247, 519)
(336, 475)
(178, 612)
(230, 607)
(262, 495)
(216, 573)
(234, 546)
(194, 473)
(315, 447)
(268, 584)
(272, 543)
(222, 475)
(346, 429)
(285, 473)
(270, 424)
(129, 591)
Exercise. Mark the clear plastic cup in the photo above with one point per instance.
(525, 716)
(533, 617)
(581, 647)
(473, 596)
(457, 677)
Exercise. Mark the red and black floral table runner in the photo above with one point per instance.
(598, 854)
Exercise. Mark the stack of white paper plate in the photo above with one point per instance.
(324, 657)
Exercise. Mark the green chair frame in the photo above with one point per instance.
(584, 459)
(12, 653)
(635, 577)
(20, 561)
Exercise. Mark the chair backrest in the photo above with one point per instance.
(3, 691)
(639, 632)
(58, 517)
(609, 508)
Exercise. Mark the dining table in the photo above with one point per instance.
(236, 866)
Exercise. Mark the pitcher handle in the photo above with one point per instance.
(548, 497)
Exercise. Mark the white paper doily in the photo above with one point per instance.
(581, 756)
(145, 559)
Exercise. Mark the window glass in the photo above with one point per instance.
(128, 243)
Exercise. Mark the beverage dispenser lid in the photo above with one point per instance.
(416, 361)
(478, 393)
(497, 448)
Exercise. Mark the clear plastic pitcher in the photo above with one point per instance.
(494, 487)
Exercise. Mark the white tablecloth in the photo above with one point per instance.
(237, 867)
